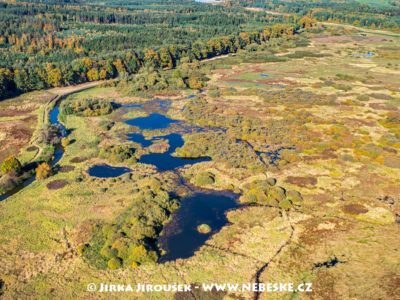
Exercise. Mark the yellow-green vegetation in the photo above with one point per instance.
(86, 107)
(222, 148)
(205, 178)
(10, 165)
(119, 153)
(204, 228)
(130, 241)
(43, 171)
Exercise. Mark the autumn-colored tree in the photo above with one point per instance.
(119, 65)
(266, 33)
(166, 59)
(195, 82)
(93, 74)
(43, 171)
(10, 165)
(151, 57)
(54, 75)
(103, 74)
(306, 22)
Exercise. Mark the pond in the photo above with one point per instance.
(152, 122)
(180, 237)
(106, 171)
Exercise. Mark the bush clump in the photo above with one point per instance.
(205, 178)
(65, 142)
(86, 107)
(221, 148)
(131, 240)
(204, 228)
(119, 153)
(43, 171)
(267, 193)
(10, 165)
(114, 263)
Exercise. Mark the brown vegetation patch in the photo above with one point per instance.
(382, 106)
(355, 209)
(332, 39)
(66, 169)
(302, 181)
(14, 112)
(359, 122)
(381, 96)
(84, 231)
(32, 149)
(391, 285)
(313, 236)
(324, 286)
(348, 39)
(17, 135)
(57, 184)
(78, 159)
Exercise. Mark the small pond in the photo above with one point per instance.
(106, 171)
(180, 237)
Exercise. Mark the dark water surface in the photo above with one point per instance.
(139, 138)
(180, 237)
(151, 122)
(106, 171)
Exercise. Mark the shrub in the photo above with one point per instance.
(205, 178)
(114, 263)
(214, 93)
(285, 204)
(276, 193)
(204, 228)
(294, 196)
(392, 162)
(86, 107)
(10, 165)
(65, 142)
(271, 181)
(43, 171)
(119, 153)
(131, 240)
(289, 155)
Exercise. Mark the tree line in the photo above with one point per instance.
(383, 15)
(56, 43)
(37, 76)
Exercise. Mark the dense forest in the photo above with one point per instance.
(50, 43)
(54, 43)
(383, 14)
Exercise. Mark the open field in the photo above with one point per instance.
(329, 111)
(18, 120)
